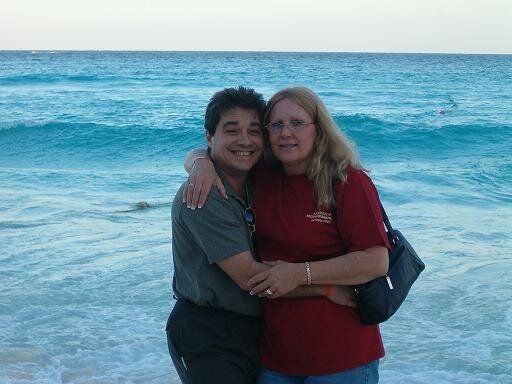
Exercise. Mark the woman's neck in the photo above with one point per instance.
(291, 170)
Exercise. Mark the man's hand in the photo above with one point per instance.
(342, 295)
(281, 279)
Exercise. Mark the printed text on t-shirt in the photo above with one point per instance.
(320, 217)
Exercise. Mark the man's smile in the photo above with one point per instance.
(243, 153)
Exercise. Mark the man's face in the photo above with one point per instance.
(238, 141)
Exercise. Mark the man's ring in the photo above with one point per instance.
(269, 292)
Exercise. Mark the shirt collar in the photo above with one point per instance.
(249, 185)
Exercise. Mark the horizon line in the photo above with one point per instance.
(252, 51)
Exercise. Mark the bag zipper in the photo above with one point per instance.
(390, 284)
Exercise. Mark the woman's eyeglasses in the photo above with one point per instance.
(294, 126)
(250, 218)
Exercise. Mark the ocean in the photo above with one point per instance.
(85, 275)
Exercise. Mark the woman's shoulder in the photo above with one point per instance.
(356, 173)
(357, 182)
(355, 176)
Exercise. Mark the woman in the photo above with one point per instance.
(318, 222)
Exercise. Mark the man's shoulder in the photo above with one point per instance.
(215, 205)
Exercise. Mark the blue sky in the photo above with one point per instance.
(458, 26)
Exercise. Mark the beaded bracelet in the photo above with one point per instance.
(308, 272)
(197, 158)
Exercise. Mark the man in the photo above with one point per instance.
(213, 330)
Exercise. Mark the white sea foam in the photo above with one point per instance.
(24, 123)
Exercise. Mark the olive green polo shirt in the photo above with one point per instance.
(201, 238)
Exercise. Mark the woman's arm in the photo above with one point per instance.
(350, 269)
(202, 176)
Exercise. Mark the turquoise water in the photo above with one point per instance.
(85, 276)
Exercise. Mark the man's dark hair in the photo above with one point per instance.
(230, 98)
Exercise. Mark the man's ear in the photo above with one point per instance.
(208, 139)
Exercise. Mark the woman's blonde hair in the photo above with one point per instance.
(332, 152)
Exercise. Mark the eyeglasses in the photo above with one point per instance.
(250, 218)
(294, 126)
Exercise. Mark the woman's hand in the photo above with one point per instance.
(281, 279)
(199, 183)
(342, 295)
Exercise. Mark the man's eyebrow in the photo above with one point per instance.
(236, 123)
(230, 123)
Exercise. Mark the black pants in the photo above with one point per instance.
(213, 346)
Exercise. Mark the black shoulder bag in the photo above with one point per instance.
(379, 299)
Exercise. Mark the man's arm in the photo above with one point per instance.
(241, 267)
(338, 294)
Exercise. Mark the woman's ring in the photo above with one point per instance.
(269, 292)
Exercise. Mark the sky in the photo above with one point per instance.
(444, 26)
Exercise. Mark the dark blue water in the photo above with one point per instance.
(85, 275)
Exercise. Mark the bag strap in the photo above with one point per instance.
(391, 232)
(386, 219)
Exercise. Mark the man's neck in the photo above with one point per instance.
(238, 183)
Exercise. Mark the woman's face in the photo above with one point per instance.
(292, 134)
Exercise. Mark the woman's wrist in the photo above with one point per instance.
(201, 158)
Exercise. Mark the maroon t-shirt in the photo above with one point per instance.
(309, 336)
